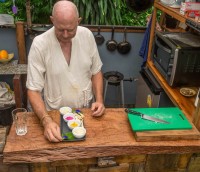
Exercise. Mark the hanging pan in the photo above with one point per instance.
(99, 38)
(111, 44)
(124, 47)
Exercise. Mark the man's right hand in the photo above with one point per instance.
(51, 130)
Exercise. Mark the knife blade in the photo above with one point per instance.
(146, 117)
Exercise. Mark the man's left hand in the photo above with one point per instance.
(98, 109)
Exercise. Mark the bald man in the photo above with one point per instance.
(64, 69)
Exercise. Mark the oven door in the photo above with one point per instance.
(163, 53)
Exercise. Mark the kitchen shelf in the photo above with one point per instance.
(177, 15)
(171, 11)
(13, 67)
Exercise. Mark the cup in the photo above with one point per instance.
(20, 121)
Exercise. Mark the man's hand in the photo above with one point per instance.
(52, 130)
(98, 109)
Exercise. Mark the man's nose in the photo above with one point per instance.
(65, 33)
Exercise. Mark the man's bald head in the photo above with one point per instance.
(65, 19)
(65, 7)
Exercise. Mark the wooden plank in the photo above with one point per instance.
(109, 135)
(13, 167)
(41, 167)
(121, 168)
(171, 11)
(93, 161)
(168, 135)
(21, 42)
(164, 163)
(138, 167)
(18, 91)
(194, 164)
(183, 161)
(130, 159)
(3, 134)
(75, 168)
(81, 164)
(88, 161)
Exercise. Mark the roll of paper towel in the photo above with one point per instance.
(197, 98)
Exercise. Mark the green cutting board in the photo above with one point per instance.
(174, 115)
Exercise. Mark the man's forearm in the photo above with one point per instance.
(38, 105)
(97, 83)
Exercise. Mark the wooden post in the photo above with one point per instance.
(21, 42)
(153, 24)
(28, 14)
(17, 83)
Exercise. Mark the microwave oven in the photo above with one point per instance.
(177, 58)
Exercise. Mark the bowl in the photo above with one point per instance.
(168, 2)
(79, 132)
(68, 117)
(10, 57)
(64, 110)
(187, 92)
(73, 123)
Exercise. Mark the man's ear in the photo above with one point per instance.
(51, 17)
(79, 20)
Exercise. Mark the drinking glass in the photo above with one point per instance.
(20, 121)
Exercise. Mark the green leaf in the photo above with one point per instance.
(112, 13)
(68, 136)
(105, 7)
(82, 10)
(88, 10)
(96, 10)
(83, 1)
(104, 12)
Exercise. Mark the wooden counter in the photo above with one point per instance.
(109, 135)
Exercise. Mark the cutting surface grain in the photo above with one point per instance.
(109, 135)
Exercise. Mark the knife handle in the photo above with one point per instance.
(133, 112)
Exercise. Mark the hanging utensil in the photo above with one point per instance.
(99, 38)
(111, 44)
(14, 8)
(124, 47)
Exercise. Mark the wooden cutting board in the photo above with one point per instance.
(173, 115)
(167, 135)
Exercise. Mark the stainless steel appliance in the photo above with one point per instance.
(177, 57)
(149, 93)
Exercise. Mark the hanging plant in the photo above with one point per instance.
(101, 12)
(93, 12)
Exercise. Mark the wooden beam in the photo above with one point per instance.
(21, 42)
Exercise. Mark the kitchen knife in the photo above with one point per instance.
(146, 117)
